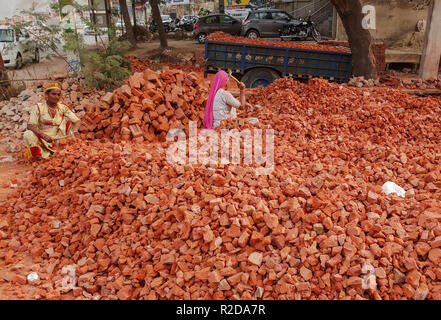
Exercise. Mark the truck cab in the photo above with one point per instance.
(15, 47)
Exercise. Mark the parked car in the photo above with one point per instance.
(216, 22)
(166, 18)
(265, 23)
(16, 48)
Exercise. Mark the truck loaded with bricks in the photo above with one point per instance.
(258, 62)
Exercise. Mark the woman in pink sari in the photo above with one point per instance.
(221, 104)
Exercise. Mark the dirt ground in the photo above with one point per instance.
(148, 49)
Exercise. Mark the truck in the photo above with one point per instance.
(260, 65)
(16, 47)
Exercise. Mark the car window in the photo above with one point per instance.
(280, 16)
(6, 35)
(225, 19)
(268, 16)
(212, 19)
(263, 15)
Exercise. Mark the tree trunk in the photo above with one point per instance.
(127, 23)
(363, 60)
(157, 18)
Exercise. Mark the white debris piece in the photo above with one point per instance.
(390, 187)
(33, 278)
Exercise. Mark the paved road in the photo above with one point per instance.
(43, 70)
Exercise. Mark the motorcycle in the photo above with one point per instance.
(300, 29)
(186, 24)
(153, 27)
(174, 25)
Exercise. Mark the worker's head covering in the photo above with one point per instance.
(50, 87)
(220, 80)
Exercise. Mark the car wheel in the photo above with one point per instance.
(37, 56)
(18, 61)
(259, 77)
(252, 34)
(202, 37)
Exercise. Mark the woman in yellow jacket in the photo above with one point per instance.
(49, 121)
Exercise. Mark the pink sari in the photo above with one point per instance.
(220, 80)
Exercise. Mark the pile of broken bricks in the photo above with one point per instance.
(220, 36)
(148, 105)
(15, 112)
(186, 62)
(137, 64)
(138, 227)
(394, 82)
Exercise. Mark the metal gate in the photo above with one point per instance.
(323, 13)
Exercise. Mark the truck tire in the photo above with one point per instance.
(259, 77)
(253, 34)
(18, 61)
(202, 37)
(37, 56)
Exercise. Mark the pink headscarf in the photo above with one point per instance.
(220, 80)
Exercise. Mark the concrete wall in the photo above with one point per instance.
(322, 10)
(396, 22)
(193, 9)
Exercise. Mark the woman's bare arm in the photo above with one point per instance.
(76, 126)
(242, 95)
(38, 133)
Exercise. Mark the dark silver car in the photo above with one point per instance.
(265, 23)
(216, 22)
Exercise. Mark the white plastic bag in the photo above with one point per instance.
(33, 278)
(390, 187)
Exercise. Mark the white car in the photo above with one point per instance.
(15, 47)
(166, 18)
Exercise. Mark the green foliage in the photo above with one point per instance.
(59, 4)
(44, 37)
(203, 12)
(106, 72)
(106, 68)
(103, 67)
